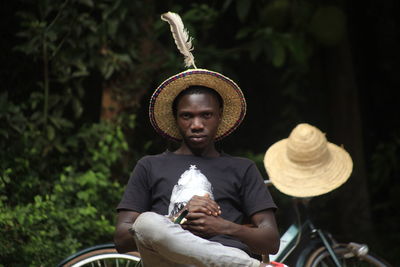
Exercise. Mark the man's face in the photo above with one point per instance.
(198, 117)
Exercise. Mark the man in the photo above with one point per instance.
(219, 192)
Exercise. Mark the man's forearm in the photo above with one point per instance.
(123, 239)
(260, 240)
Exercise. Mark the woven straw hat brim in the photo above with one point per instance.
(160, 109)
(307, 181)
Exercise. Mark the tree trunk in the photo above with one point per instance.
(352, 199)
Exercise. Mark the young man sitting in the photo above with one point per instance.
(217, 191)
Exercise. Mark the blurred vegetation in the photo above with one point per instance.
(55, 202)
(63, 169)
(58, 188)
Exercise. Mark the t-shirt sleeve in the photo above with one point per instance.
(255, 195)
(137, 193)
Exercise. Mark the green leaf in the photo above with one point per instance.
(243, 8)
(243, 32)
(227, 3)
(50, 132)
(125, 58)
(84, 195)
(88, 3)
(112, 26)
(328, 25)
(279, 54)
(275, 13)
(299, 49)
(108, 70)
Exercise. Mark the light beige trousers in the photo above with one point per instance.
(162, 243)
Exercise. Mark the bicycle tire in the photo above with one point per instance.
(103, 257)
(321, 257)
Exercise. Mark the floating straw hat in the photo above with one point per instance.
(160, 109)
(306, 164)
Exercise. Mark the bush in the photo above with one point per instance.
(54, 203)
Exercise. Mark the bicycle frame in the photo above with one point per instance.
(291, 238)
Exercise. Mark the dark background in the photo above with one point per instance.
(347, 87)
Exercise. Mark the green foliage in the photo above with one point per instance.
(51, 205)
(61, 172)
(286, 34)
(54, 28)
(73, 40)
(58, 187)
(279, 32)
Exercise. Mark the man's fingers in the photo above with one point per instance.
(200, 209)
(205, 209)
(206, 202)
(194, 215)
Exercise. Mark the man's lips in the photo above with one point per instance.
(197, 138)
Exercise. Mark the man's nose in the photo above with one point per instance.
(197, 124)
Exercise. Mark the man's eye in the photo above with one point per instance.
(207, 115)
(185, 116)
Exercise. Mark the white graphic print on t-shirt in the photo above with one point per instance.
(192, 182)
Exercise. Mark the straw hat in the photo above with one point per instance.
(160, 108)
(234, 108)
(306, 164)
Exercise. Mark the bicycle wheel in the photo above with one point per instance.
(100, 256)
(322, 258)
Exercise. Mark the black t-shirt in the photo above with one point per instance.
(164, 183)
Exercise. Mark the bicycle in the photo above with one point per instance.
(100, 255)
(302, 244)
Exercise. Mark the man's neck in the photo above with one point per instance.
(207, 152)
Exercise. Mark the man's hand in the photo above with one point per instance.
(204, 225)
(203, 217)
(203, 204)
